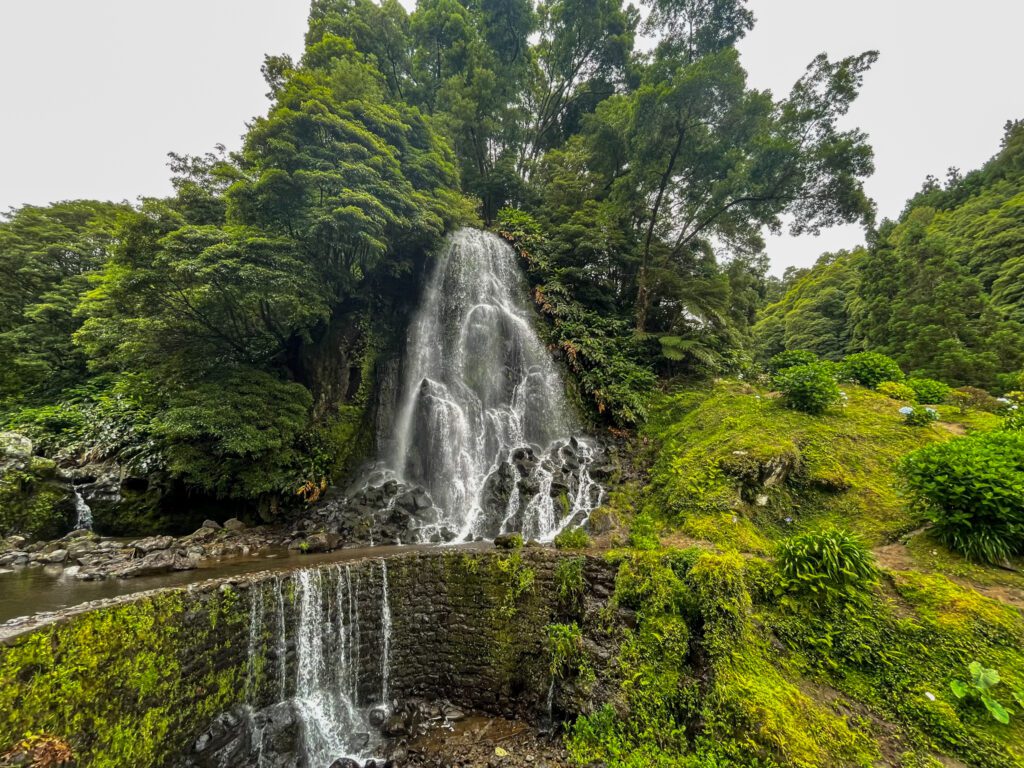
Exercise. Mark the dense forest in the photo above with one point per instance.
(199, 337)
(941, 289)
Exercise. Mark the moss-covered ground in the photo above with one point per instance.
(727, 665)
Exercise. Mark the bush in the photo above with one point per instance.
(871, 369)
(1013, 418)
(929, 391)
(972, 490)
(808, 388)
(897, 390)
(919, 416)
(643, 533)
(830, 567)
(790, 358)
(973, 397)
(572, 538)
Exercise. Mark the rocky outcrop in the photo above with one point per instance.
(34, 502)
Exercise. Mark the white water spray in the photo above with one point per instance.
(478, 386)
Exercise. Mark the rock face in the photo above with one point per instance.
(33, 500)
(462, 635)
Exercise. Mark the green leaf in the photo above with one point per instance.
(959, 688)
(997, 710)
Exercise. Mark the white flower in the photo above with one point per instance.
(1003, 399)
(930, 695)
(906, 410)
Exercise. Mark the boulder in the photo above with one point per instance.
(321, 542)
(234, 524)
(211, 524)
(57, 556)
(153, 544)
(508, 540)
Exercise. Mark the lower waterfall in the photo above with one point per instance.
(320, 684)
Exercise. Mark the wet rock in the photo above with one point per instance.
(57, 556)
(234, 524)
(345, 762)
(378, 716)
(211, 524)
(153, 544)
(508, 541)
(322, 542)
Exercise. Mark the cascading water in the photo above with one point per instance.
(83, 512)
(330, 698)
(483, 422)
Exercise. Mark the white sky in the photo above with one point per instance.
(96, 92)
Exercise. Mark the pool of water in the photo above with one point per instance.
(27, 591)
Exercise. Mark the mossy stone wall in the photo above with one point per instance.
(132, 681)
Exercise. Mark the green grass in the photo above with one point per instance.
(720, 443)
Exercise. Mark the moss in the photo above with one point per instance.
(110, 682)
(701, 685)
(32, 505)
(738, 469)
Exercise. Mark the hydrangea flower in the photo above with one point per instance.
(906, 410)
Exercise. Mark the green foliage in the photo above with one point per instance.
(111, 681)
(643, 532)
(918, 416)
(929, 391)
(972, 491)
(790, 358)
(871, 368)
(730, 465)
(982, 683)
(898, 390)
(568, 655)
(809, 388)
(572, 538)
(815, 311)
(830, 566)
(569, 582)
(518, 578)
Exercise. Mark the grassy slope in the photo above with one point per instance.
(719, 443)
(793, 684)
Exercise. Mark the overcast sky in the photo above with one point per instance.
(96, 92)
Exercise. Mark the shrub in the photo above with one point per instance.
(1013, 418)
(830, 567)
(808, 388)
(972, 397)
(929, 391)
(972, 490)
(572, 538)
(919, 416)
(570, 582)
(643, 533)
(790, 358)
(897, 390)
(871, 369)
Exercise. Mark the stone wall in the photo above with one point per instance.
(130, 682)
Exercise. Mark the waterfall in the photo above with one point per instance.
(385, 623)
(83, 513)
(483, 423)
(332, 694)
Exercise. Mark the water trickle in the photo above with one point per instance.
(83, 512)
(479, 387)
(385, 623)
